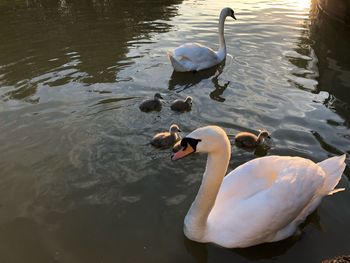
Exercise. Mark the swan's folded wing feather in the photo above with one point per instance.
(251, 177)
(195, 53)
(256, 218)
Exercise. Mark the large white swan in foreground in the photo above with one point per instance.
(195, 57)
(263, 200)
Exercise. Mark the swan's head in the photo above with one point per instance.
(174, 129)
(208, 139)
(227, 11)
(158, 96)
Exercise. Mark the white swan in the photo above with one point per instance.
(263, 200)
(195, 57)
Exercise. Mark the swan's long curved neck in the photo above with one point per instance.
(222, 48)
(196, 218)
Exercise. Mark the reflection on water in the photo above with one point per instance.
(184, 80)
(332, 39)
(73, 41)
(79, 181)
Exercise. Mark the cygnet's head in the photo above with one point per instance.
(158, 96)
(189, 100)
(264, 134)
(174, 129)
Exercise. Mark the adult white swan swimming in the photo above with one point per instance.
(195, 57)
(263, 200)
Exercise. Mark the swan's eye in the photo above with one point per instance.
(192, 142)
(184, 143)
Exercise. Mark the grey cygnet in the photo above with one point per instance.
(167, 139)
(152, 104)
(182, 105)
(250, 140)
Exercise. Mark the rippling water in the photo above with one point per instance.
(79, 181)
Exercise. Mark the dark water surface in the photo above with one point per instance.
(79, 181)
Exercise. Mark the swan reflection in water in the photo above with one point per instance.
(180, 81)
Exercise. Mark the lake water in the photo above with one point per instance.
(79, 181)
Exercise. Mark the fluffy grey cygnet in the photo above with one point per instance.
(167, 139)
(250, 140)
(152, 104)
(182, 105)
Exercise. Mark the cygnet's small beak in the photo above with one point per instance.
(161, 97)
(179, 130)
(268, 136)
(233, 16)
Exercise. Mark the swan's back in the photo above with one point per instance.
(265, 199)
(195, 52)
(193, 57)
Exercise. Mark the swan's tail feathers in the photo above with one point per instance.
(176, 64)
(334, 168)
(336, 191)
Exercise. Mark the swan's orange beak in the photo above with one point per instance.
(182, 153)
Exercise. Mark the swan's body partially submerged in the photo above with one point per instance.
(263, 200)
(195, 57)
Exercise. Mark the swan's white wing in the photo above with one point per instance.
(251, 177)
(264, 203)
(196, 53)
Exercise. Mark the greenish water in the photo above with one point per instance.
(79, 181)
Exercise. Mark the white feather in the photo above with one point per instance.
(195, 57)
(263, 200)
